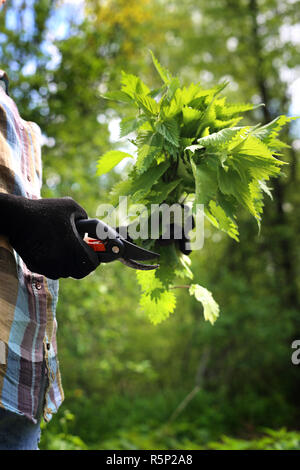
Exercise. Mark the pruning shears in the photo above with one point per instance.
(110, 245)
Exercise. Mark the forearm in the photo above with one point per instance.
(14, 213)
(9, 210)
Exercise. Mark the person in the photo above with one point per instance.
(39, 244)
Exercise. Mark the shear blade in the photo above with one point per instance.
(135, 265)
(134, 252)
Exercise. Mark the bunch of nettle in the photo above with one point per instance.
(190, 150)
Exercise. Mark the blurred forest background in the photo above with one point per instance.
(184, 383)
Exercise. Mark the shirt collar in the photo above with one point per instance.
(4, 81)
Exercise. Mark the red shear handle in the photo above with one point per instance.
(96, 245)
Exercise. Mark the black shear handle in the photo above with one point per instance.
(109, 246)
(95, 228)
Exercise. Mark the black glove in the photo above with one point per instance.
(44, 234)
(176, 233)
(178, 237)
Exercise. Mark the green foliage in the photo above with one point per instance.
(225, 167)
(62, 440)
(210, 307)
(109, 160)
(155, 301)
(272, 440)
(136, 439)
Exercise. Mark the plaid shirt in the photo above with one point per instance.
(27, 300)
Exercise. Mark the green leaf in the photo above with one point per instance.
(143, 183)
(133, 85)
(129, 125)
(149, 146)
(218, 217)
(210, 307)
(109, 160)
(148, 281)
(190, 114)
(169, 262)
(219, 139)
(219, 125)
(148, 104)
(122, 188)
(159, 308)
(169, 130)
(205, 182)
(163, 72)
(172, 109)
(119, 95)
(191, 118)
(224, 111)
(161, 190)
(174, 85)
(272, 128)
(268, 133)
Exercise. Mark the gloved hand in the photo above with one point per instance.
(44, 234)
(176, 233)
(178, 237)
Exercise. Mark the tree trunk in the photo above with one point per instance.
(281, 245)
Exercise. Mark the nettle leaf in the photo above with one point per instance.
(161, 191)
(169, 262)
(210, 307)
(148, 104)
(190, 114)
(225, 111)
(206, 185)
(122, 188)
(109, 160)
(170, 148)
(218, 139)
(174, 85)
(252, 146)
(133, 85)
(208, 118)
(119, 95)
(169, 130)
(148, 281)
(219, 124)
(174, 107)
(129, 125)
(163, 72)
(268, 133)
(195, 96)
(257, 197)
(144, 182)
(149, 146)
(158, 309)
(218, 217)
(158, 91)
(190, 118)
